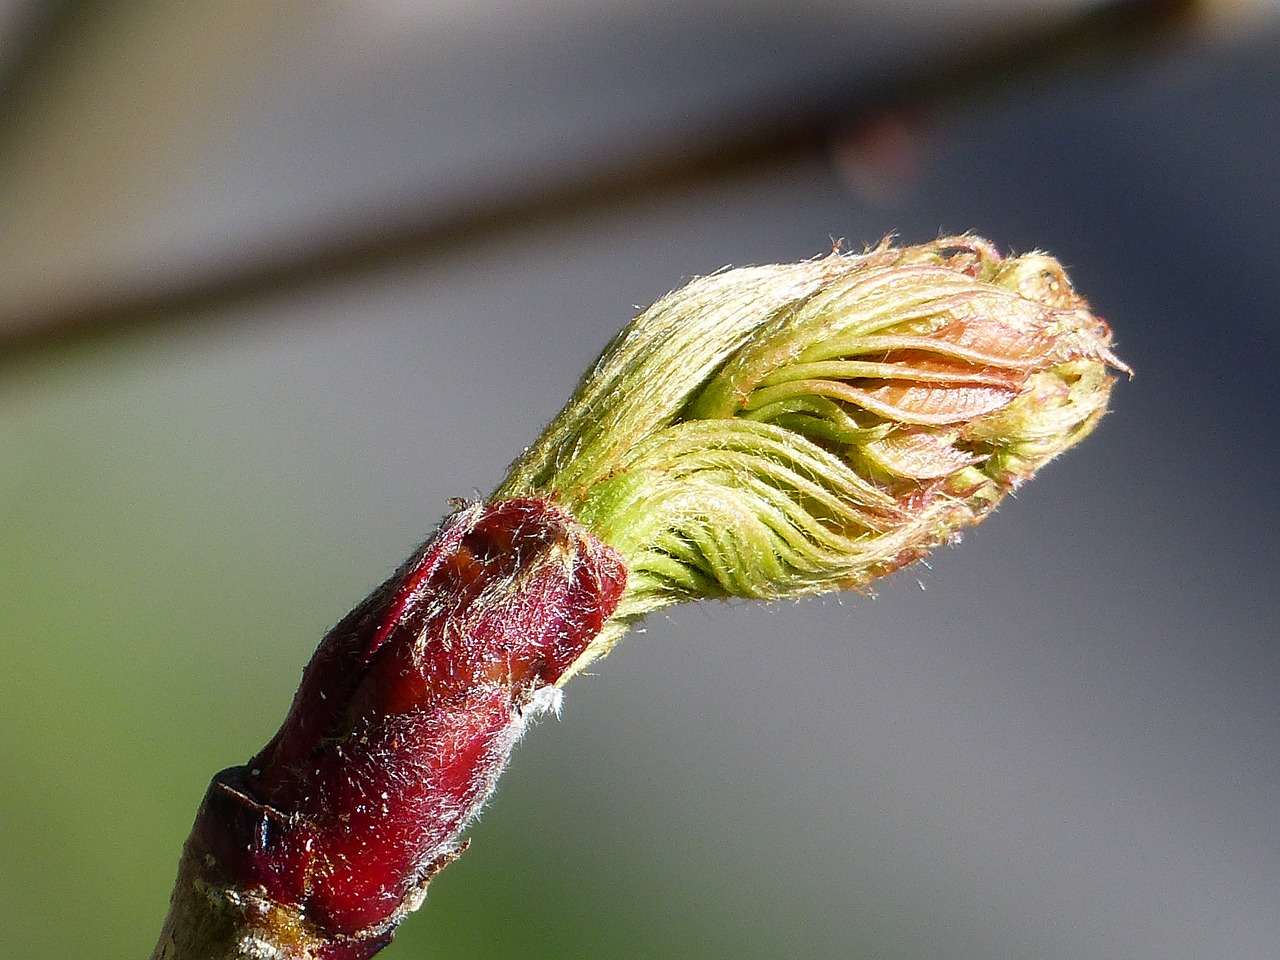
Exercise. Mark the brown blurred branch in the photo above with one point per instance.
(737, 148)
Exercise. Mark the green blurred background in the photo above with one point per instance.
(277, 280)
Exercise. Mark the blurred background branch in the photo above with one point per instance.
(134, 133)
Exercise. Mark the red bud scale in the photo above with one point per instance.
(405, 717)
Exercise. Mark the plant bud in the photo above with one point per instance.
(766, 432)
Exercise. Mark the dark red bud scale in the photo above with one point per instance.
(404, 719)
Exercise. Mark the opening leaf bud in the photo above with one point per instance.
(765, 432)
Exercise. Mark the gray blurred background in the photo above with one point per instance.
(277, 279)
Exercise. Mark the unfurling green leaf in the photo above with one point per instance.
(782, 430)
